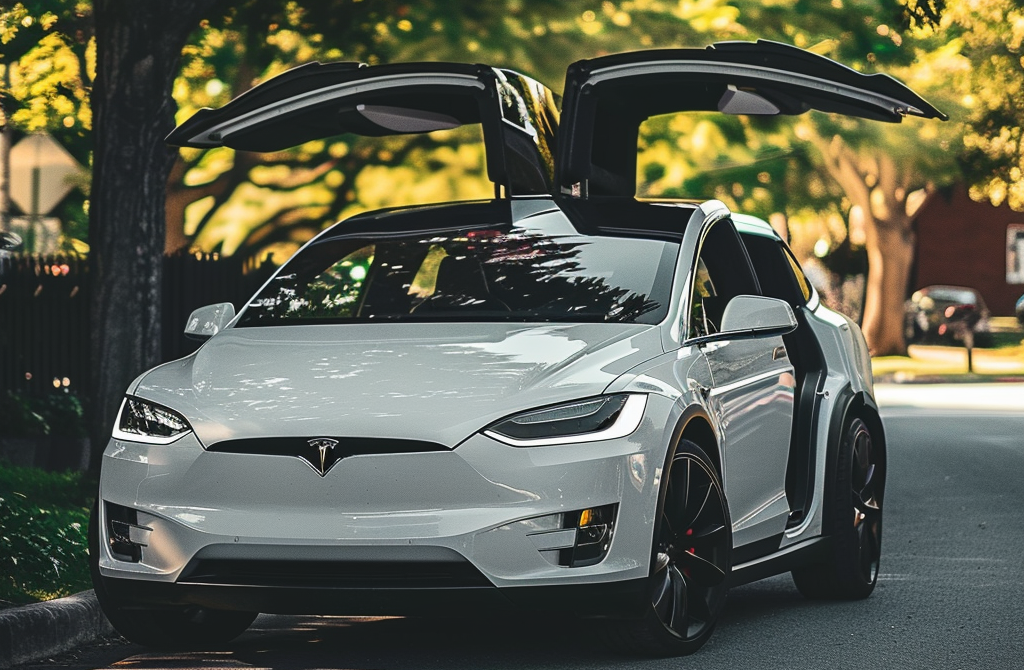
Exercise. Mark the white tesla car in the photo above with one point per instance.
(561, 399)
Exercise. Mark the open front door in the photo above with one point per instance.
(518, 115)
(607, 98)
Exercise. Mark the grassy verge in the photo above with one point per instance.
(940, 363)
(43, 545)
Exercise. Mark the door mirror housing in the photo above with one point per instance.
(206, 322)
(757, 315)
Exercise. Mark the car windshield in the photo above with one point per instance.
(499, 273)
(962, 296)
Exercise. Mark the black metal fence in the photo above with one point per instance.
(44, 312)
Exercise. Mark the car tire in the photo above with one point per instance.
(856, 494)
(690, 562)
(170, 628)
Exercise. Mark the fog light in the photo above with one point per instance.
(594, 529)
(126, 536)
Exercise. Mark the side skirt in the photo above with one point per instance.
(814, 550)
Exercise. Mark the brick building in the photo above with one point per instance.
(967, 243)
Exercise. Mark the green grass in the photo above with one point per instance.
(43, 521)
(951, 362)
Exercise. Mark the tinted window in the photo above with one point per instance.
(530, 118)
(478, 274)
(777, 272)
(722, 273)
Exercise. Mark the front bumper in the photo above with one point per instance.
(475, 505)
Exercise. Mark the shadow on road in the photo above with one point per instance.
(285, 642)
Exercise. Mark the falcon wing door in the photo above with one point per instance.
(518, 115)
(607, 98)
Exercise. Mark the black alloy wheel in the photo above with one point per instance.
(853, 518)
(691, 561)
(867, 501)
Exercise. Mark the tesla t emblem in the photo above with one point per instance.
(324, 458)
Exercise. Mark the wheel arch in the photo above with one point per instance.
(850, 404)
(695, 425)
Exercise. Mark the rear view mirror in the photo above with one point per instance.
(757, 315)
(207, 321)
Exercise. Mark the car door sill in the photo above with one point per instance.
(813, 550)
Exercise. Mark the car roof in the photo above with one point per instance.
(752, 225)
(609, 217)
(949, 292)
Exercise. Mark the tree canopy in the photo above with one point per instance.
(831, 182)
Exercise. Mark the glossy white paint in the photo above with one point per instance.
(752, 397)
(432, 381)
(468, 501)
(757, 313)
(446, 383)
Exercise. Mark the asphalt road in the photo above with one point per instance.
(950, 594)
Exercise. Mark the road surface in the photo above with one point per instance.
(950, 594)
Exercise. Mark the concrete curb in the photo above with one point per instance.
(40, 630)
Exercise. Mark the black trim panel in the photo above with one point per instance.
(335, 449)
(811, 551)
(333, 574)
(625, 599)
(756, 549)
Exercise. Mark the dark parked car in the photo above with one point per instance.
(945, 314)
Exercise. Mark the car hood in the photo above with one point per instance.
(438, 382)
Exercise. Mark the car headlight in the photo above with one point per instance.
(602, 418)
(144, 421)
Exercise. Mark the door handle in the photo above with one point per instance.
(779, 352)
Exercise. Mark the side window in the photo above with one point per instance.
(529, 119)
(777, 272)
(798, 274)
(721, 273)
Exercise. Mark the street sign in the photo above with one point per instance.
(42, 174)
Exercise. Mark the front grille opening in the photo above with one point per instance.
(343, 446)
(334, 574)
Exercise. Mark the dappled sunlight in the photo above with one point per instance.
(272, 202)
(437, 176)
(250, 206)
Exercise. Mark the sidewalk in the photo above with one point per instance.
(36, 631)
(977, 397)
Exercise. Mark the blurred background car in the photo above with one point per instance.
(944, 314)
(1019, 311)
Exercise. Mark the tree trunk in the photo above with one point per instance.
(138, 46)
(883, 191)
(890, 256)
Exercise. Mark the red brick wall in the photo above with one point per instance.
(962, 242)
